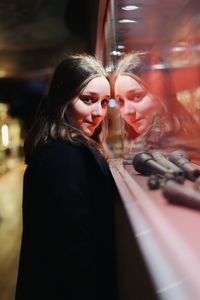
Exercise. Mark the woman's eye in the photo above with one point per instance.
(86, 99)
(120, 102)
(138, 97)
(104, 103)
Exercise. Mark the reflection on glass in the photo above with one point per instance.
(153, 113)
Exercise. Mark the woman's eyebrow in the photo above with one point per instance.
(90, 93)
(107, 96)
(94, 94)
(135, 90)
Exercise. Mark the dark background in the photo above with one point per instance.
(34, 36)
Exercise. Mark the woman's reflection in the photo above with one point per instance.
(148, 105)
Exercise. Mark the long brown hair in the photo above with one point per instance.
(51, 121)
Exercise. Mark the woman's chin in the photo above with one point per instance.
(139, 128)
(88, 132)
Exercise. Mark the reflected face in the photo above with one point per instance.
(137, 107)
(89, 109)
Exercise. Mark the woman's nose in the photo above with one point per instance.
(98, 110)
(129, 108)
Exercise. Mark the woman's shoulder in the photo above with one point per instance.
(65, 150)
(60, 150)
(59, 145)
(62, 157)
(58, 156)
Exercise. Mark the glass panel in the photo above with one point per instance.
(158, 90)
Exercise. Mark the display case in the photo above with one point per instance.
(158, 210)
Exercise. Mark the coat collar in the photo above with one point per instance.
(98, 157)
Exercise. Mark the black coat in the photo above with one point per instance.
(68, 243)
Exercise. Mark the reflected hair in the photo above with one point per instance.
(137, 64)
(132, 62)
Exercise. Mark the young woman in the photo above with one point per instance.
(68, 242)
(147, 102)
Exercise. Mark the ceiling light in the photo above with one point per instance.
(178, 49)
(123, 21)
(116, 53)
(120, 46)
(159, 66)
(130, 7)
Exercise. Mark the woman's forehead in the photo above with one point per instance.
(97, 85)
(125, 82)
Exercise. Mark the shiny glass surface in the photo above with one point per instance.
(168, 33)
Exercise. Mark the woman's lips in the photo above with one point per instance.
(135, 121)
(91, 123)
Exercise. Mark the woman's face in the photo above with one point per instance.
(89, 109)
(137, 107)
